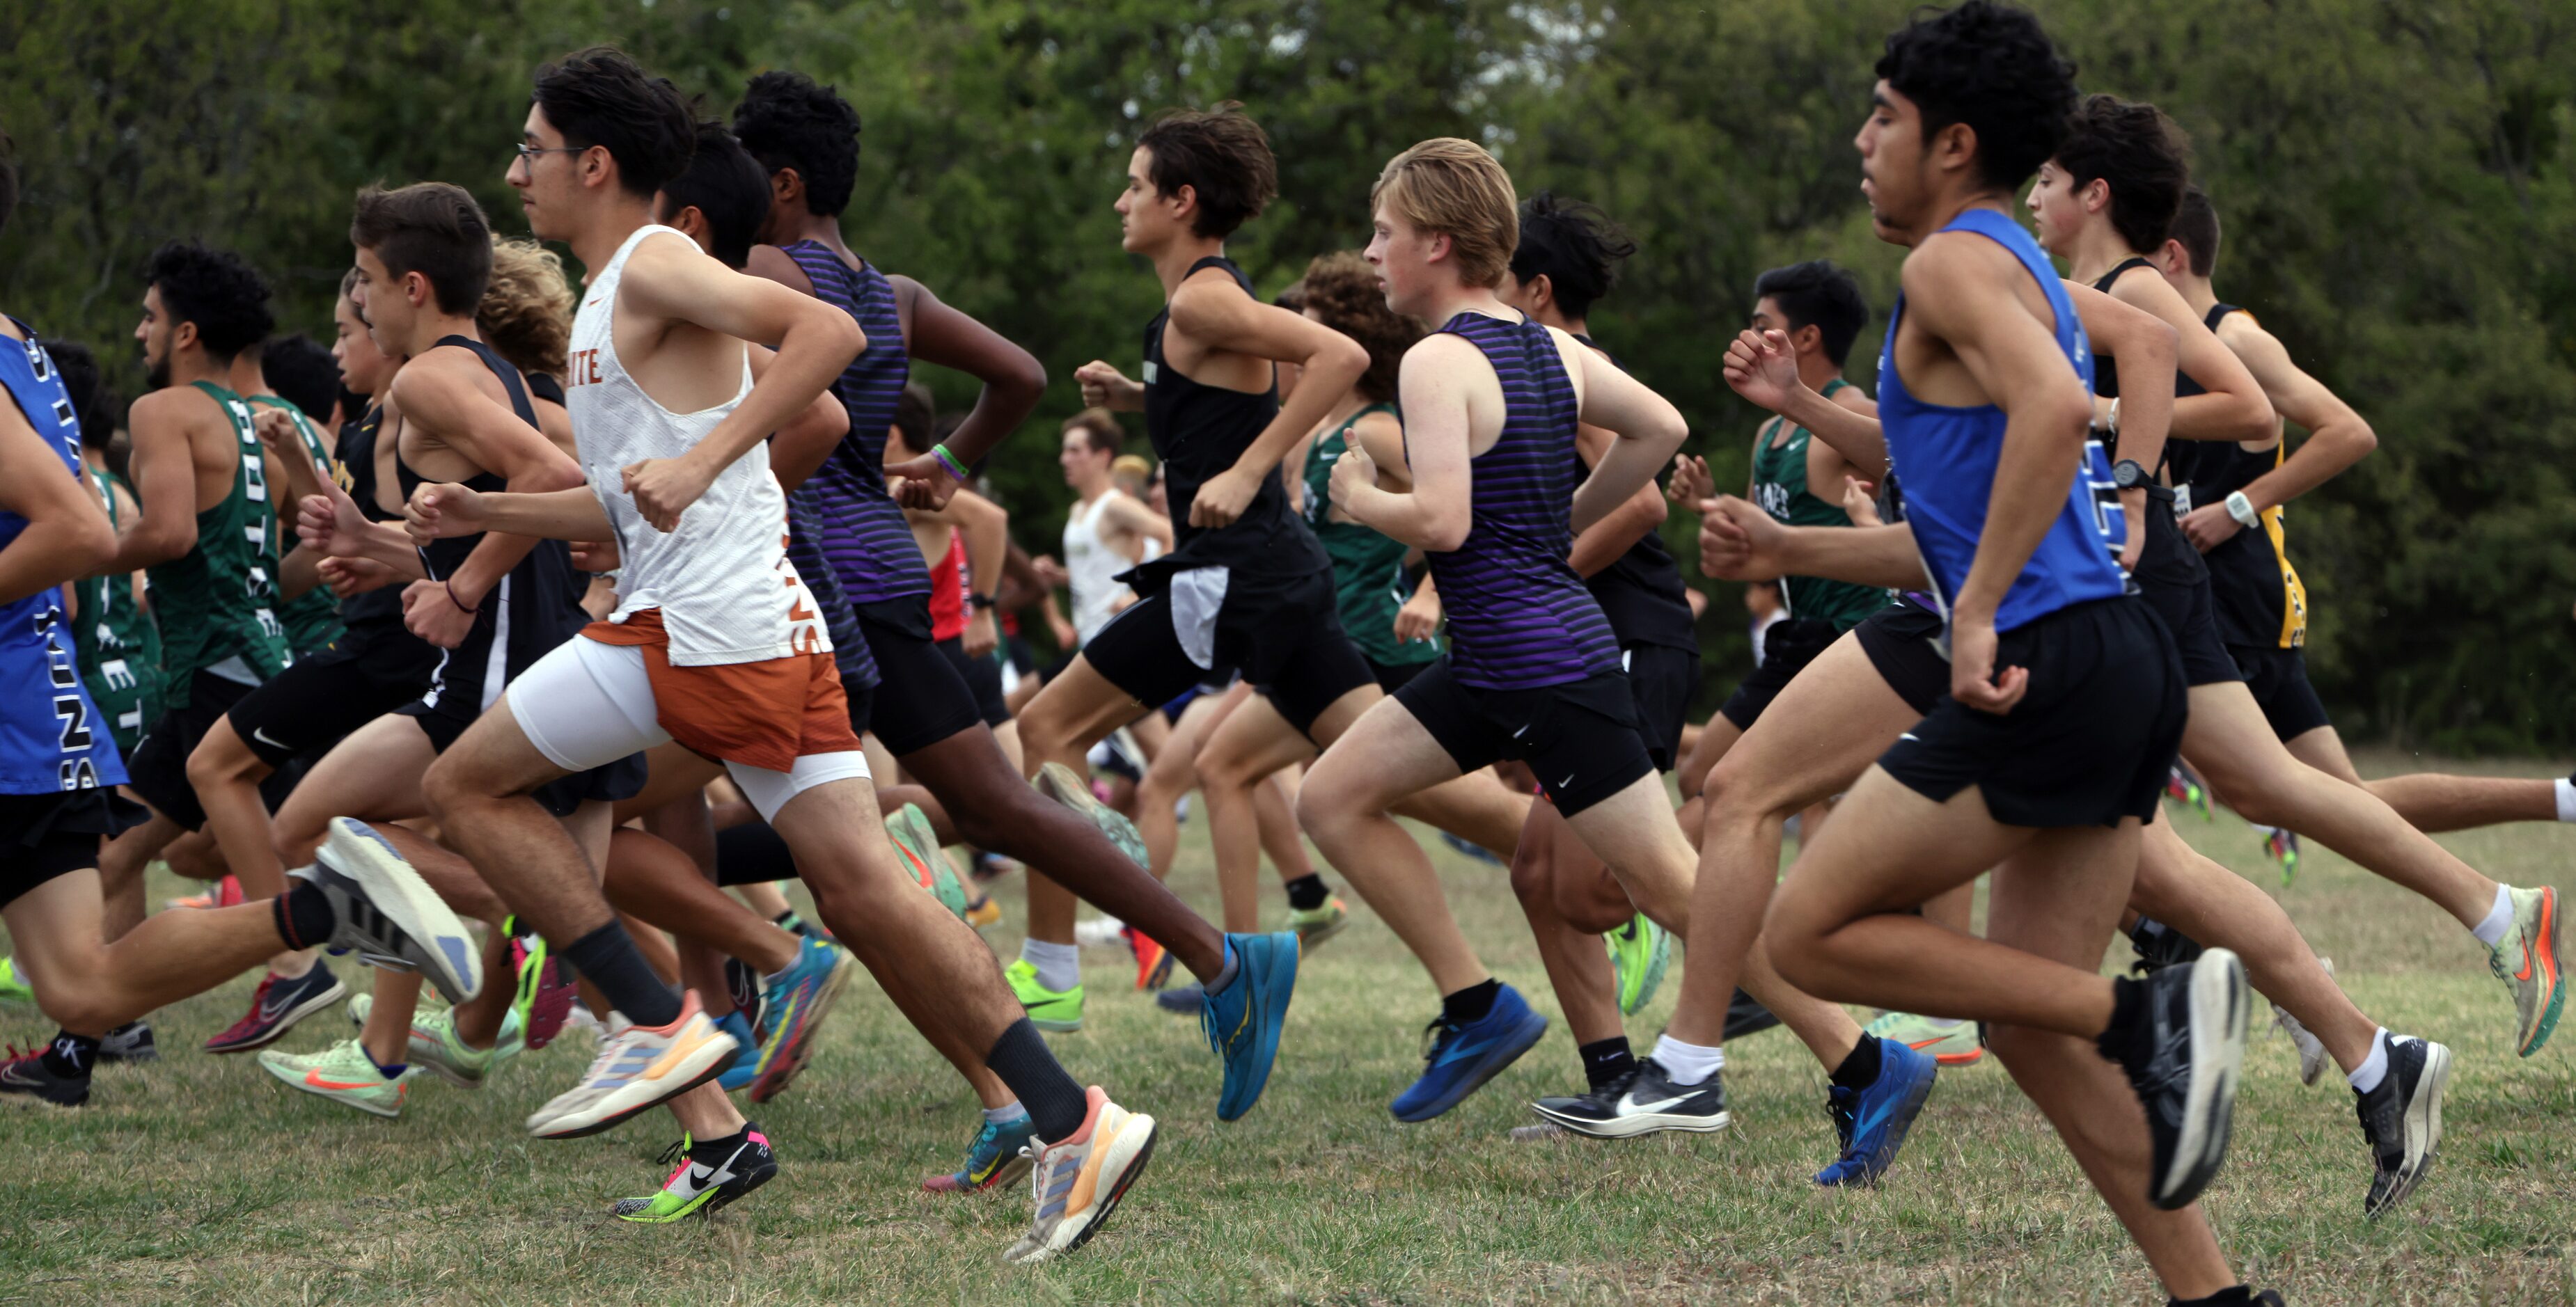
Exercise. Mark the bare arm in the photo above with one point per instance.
(1762, 368)
(1740, 542)
(800, 447)
(445, 396)
(987, 528)
(2146, 348)
(1013, 380)
(165, 477)
(67, 534)
(1601, 544)
(1647, 429)
(1435, 515)
(1127, 513)
(1213, 309)
(2337, 436)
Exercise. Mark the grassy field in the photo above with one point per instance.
(200, 1179)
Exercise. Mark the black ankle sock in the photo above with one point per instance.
(2128, 1000)
(715, 1149)
(2234, 1295)
(1055, 1100)
(1605, 1060)
(304, 917)
(609, 957)
(1472, 1004)
(1860, 1069)
(71, 1056)
(1307, 892)
(788, 920)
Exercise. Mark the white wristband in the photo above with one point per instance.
(2242, 509)
(2115, 415)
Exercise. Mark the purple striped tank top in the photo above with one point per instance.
(865, 538)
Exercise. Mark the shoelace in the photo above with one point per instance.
(1439, 1032)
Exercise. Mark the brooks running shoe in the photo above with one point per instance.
(276, 1006)
(916, 845)
(1639, 952)
(1058, 1010)
(1057, 782)
(2402, 1119)
(24, 1077)
(1951, 1043)
(2183, 1047)
(638, 1068)
(387, 915)
(999, 1156)
(796, 1002)
(1315, 925)
(14, 987)
(344, 1074)
(2526, 960)
(1242, 1021)
(1872, 1123)
(704, 1177)
(1461, 1058)
(1078, 1182)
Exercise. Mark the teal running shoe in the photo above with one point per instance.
(795, 1004)
(1242, 1021)
(745, 1066)
(999, 1156)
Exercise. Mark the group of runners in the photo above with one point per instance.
(625, 572)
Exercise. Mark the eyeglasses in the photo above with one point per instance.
(530, 152)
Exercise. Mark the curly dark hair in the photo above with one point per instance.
(2144, 155)
(301, 371)
(1572, 244)
(1222, 155)
(1992, 67)
(216, 289)
(93, 402)
(728, 188)
(1818, 294)
(601, 96)
(787, 121)
(1342, 292)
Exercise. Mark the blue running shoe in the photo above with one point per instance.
(1463, 1058)
(1000, 1156)
(795, 1002)
(1242, 1021)
(1872, 1122)
(745, 1066)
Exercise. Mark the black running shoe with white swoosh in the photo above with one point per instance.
(2402, 1119)
(707, 1176)
(25, 1078)
(2182, 1043)
(1644, 1102)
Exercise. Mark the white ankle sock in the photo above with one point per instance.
(1687, 1064)
(1059, 965)
(2490, 932)
(2566, 798)
(1006, 1113)
(2373, 1068)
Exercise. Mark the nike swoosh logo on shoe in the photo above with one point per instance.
(314, 1078)
(1628, 1104)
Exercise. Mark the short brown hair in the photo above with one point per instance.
(2195, 224)
(1453, 188)
(526, 313)
(431, 228)
(1342, 293)
(1099, 428)
(1222, 156)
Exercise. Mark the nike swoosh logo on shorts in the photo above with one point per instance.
(261, 735)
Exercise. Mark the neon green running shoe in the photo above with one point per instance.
(2526, 960)
(14, 987)
(1951, 1043)
(1056, 1010)
(706, 1177)
(1315, 925)
(344, 1074)
(434, 1044)
(1639, 952)
(918, 846)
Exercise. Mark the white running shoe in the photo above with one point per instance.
(638, 1068)
(1078, 1182)
(384, 912)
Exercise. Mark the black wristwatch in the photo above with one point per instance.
(974, 600)
(2128, 475)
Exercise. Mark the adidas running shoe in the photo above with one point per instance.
(1078, 1182)
(638, 1068)
(999, 1155)
(704, 1177)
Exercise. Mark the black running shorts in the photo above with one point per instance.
(1787, 648)
(2279, 680)
(1580, 738)
(2089, 743)
(158, 770)
(926, 698)
(1283, 634)
(2175, 581)
(983, 678)
(372, 669)
(1392, 676)
(752, 854)
(46, 836)
(1903, 641)
(1661, 680)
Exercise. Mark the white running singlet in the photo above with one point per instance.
(1091, 567)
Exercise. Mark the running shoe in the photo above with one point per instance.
(2184, 786)
(1153, 961)
(131, 1042)
(2160, 946)
(275, 1007)
(546, 990)
(917, 844)
(223, 893)
(1745, 1015)
(1315, 925)
(2312, 1050)
(13, 986)
(1871, 1124)
(796, 1001)
(1078, 1182)
(2526, 960)
(1057, 1010)
(987, 867)
(1639, 952)
(1184, 999)
(742, 985)
(388, 916)
(744, 1067)
(704, 1177)
(1951, 1043)
(1099, 932)
(25, 1078)
(638, 1068)
(2402, 1119)
(999, 1156)
(1242, 1021)
(1461, 1058)
(344, 1074)
(2281, 845)
(983, 913)
(1645, 1101)
(436, 1046)
(1057, 782)
(2183, 1049)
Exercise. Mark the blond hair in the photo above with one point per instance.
(1453, 188)
(526, 313)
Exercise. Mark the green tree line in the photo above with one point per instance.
(2395, 177)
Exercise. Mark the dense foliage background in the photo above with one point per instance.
(2398, 178)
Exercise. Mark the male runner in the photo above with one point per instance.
(2104, 202)
(807, 136)
(118, 645)
(1533, 670)
(713, 644)
(1107, 530)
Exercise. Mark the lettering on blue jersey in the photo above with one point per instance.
(2107, 515)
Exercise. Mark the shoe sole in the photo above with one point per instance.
(1010, 1172)
(297, 1084)
(791, 1059)
(1058, 782)
(1524, 1038)
(1338, 925)
(2423, 1128)
(1057, 1027)
(715, 1202)
(1129, 1159)
(339, 990)
(355, 850)
(1270, 1018)
(683, 1082)
(2218, 1012)
(1644, 1123)
(2545, 958)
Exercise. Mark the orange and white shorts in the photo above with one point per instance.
(781, 726)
